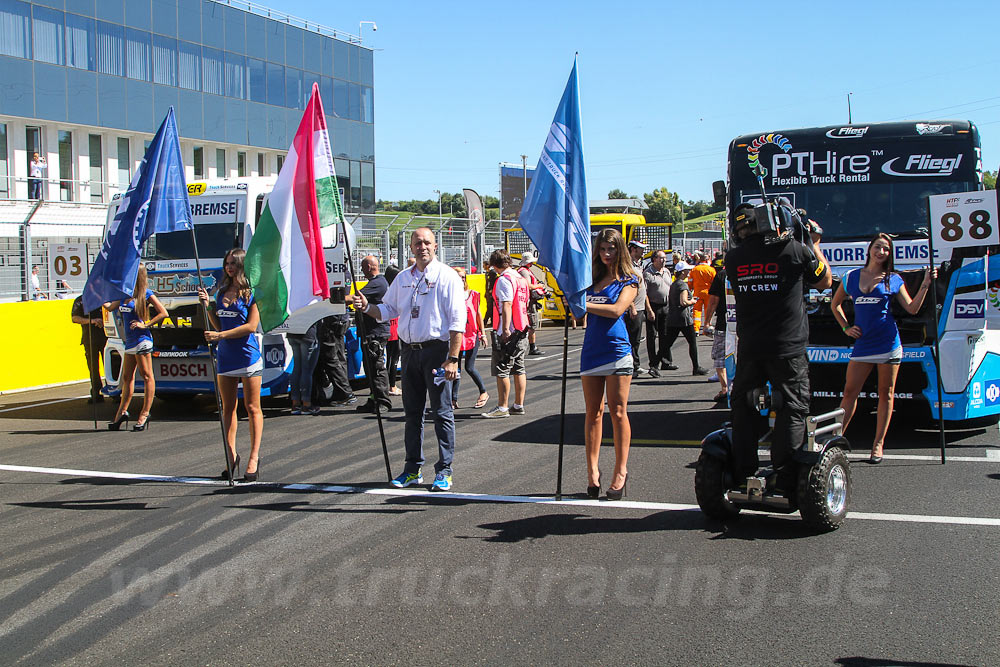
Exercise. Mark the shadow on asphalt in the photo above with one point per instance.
(309, 507)
(889, 662)
(101, 504)
(645, 426)
(180, 409)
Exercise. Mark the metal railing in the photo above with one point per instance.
(274, 14)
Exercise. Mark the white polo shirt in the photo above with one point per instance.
(429, 303)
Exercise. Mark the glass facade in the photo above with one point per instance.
(235, 77)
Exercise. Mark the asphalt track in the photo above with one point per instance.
(117, 548)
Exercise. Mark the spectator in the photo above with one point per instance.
(510, 332)
(606, 358)
(376, 336)
(717, 305)
(536, 296)
(702, 276)
(333, 354)
(876, 337)
(36, 289)
(657, 279)
(640, 311)
(305, 356)
(235, 319)
(392, 345)
(35, 169)
(679, 317)
(93, 340)
(474, 336)
(491, 279)
(138, 342)
(427, 298)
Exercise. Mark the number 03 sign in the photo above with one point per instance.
(69, 263)
(964, 219)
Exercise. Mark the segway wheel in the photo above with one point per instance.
(824, 492)
(710, 487)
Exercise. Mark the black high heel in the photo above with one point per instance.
(252, 476)
(117, 424)
(595, 491)
(141, 427)
(618, 494)
(236, 467)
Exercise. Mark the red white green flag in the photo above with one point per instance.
(284, 262)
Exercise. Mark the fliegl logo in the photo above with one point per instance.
(753, 149)
(847, 132)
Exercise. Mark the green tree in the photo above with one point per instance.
(664, 206)
(990, 180)
(618, 194)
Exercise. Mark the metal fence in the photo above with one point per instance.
(29, 229)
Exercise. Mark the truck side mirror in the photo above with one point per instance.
(719, 192)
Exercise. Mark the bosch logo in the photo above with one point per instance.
(756, 269)
(969, 308)
(275, 357)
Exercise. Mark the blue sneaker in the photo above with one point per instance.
(442, 482)
(408, 479)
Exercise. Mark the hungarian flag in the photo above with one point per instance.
(284, 262)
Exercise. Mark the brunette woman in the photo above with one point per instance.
(606, 358)
(474, 337)
(135, 323)
(876, 337)
(235, 317)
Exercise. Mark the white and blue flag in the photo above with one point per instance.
(156, 201)
(555, 215)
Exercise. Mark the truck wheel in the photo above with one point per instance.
(824, 492)
(710, 487)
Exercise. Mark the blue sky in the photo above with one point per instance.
(665, 86)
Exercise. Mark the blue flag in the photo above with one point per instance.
(555, 214)
(156, 201)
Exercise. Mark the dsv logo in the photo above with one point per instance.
(969, 308)
(756, 269)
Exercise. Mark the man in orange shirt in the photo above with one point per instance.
(702, 276)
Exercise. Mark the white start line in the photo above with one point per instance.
(475, 497)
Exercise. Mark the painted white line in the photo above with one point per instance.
(38, 405)
(993, 454)
(477, 497)
(928, 457)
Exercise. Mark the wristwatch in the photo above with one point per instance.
(452, 360)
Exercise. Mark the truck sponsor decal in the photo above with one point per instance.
(970, 309)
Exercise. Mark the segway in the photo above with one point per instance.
(821, 493)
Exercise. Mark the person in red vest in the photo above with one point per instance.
(510, 335)
(536, 296)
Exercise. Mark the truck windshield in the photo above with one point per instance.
(861, 210)
(214, 240)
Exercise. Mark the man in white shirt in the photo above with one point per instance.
(429, 300)
(37, 166)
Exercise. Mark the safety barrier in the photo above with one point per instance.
(41, 345)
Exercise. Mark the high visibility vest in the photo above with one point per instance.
(519, 308)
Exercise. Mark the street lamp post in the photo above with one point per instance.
(362, 24)
(440, 221)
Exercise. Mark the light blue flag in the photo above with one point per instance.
(156, 201)
(555, 214)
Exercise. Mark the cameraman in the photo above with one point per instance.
(766, 271)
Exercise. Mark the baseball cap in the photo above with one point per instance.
(637, 244)
(682, 266)
(528, 257)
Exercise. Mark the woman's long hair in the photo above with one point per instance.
(889, 267)
(240, 279)
(622, 267)
(139, 293)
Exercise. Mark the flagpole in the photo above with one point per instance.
(364, 357)
(230, 461)
(90, 337)
(562, 404)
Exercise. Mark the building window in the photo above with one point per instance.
(355, 185)
(32, 145)
(275, 84)
(261, 165)
(189, 66)
(241, 164)
(15, 29)
(281, 161)
(220, 163)
(80, 47)
(236, 76)
(213, 71)
(137, 55)
(124, 164)
(65, 165)
(96, 169)
(110, 49)
(4, 171)
(164, 60)
(199, 162)
(47, 34)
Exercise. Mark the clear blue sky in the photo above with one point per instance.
(665, 86)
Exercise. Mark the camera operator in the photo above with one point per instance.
(777, 250)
